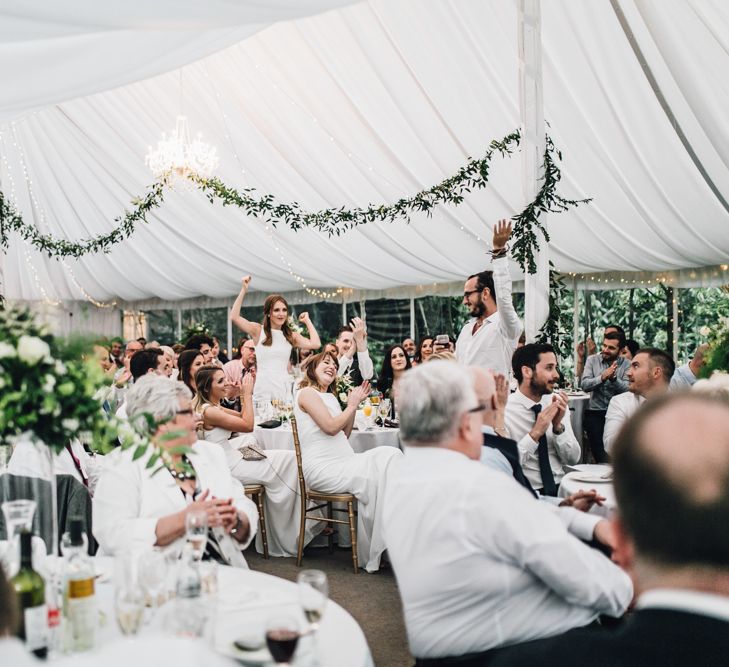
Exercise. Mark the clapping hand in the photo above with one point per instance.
(544, 419)
(358, 394)
(501, 395)
(502, 232)
(232, 389)
(562, 402)
(246, 385)
(610, 373)
(591, 347)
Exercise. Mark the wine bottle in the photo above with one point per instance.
(31, 591)
(80, 617)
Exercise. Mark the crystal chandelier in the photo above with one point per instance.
(177, 156)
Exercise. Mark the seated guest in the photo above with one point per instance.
(171, 357)
(353, 338)
(236, 369)
(410, 348)
(141, 363)
(671, 498)
(604, 377)
(478, 562)
(539, 420)
(203, 344)
(631, 349)
(219, 357)
(329, 462)
(425, 349)
(685, 376)
(189, 363)
(394, 365)
(116, 355)
(649, 374)
(278, 471)
(135, 506)
(502, 454)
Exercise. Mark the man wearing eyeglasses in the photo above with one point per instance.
(490, 337)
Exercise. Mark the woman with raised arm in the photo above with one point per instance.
(329, 462)
(277, 471)
(274, 342)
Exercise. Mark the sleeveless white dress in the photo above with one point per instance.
(272, 374)
(279, 474)
(331, 466)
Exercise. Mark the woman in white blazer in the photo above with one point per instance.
(135, 508)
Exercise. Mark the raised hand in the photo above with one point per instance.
(501, 395)
(591, 347)
(304, 318)
(358, 329)
(502, 232)
(245, 281)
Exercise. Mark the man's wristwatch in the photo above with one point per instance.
(237, 525)
(559, 431)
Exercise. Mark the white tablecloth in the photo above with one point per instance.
(361, 441)
(573, 482)
(246, 599)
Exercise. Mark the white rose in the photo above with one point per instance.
(70, 424)
(48, 384)
(343, 397)
(704, 331)
(6, 350)
(32, 349)
(60, 368)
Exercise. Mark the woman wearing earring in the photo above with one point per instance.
(274, 341)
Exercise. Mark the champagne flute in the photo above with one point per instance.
(313, 595)
(282, 636)
(196, 532)
(384, 410)
(152, 569)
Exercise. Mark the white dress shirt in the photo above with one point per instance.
(686, 600)
(479, 564)
(366, 367)
(683, 378)
(620, 409)
(130, 499)
(580, 524)
(492, 346)
(563, 448)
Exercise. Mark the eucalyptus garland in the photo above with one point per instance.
(555, 329)
(474, 175)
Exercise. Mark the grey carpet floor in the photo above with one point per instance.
(372, 599)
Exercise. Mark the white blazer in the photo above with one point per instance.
(129, 499)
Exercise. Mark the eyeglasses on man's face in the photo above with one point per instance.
(469, 292)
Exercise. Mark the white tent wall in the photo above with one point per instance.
(370, 103)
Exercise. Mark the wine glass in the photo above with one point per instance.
(196, 532)
(129, 609)
(313, 595)
(152, 574)
(384, 410)
(282, 636)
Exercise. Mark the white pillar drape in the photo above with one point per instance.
(536, 286)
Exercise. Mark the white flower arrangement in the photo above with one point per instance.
(294, 326)
(342, 386)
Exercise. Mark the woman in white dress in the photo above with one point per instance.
(277, 472)
(274, 341)
(330, 464)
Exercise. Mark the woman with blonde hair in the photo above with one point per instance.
(274, 341)
(275, 468)
(329, 462)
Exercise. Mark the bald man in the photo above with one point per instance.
(671, 470)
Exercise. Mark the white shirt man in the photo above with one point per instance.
(649, 375)
(479, 563)
(490, 337)
(353, 339)
(544, 433)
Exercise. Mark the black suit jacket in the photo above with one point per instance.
(355, 374)
(647, 638)
(510, 450)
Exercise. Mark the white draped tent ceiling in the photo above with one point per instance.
(363, 103)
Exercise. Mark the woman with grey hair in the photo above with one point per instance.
(134, 506)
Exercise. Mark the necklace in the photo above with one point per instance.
(181, 470)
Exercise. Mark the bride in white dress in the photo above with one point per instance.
(277, 472)
(274, 341)
(331, 465)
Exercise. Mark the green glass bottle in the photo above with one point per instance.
(31, 591)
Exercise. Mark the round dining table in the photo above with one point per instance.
(587, 476)
(244, 602)
(282, 437)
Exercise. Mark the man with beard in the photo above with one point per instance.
(538, 419)
(605, 376)
(490, 337)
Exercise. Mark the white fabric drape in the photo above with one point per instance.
(370, 103)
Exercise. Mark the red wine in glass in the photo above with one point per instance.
(282, 643)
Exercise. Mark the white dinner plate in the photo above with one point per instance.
(592, 478)
(260, 656)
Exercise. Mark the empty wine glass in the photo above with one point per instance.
(129, 609)
(384, 410)
(152, 573)
(313, 595)
(282, 636)
(196, 532)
